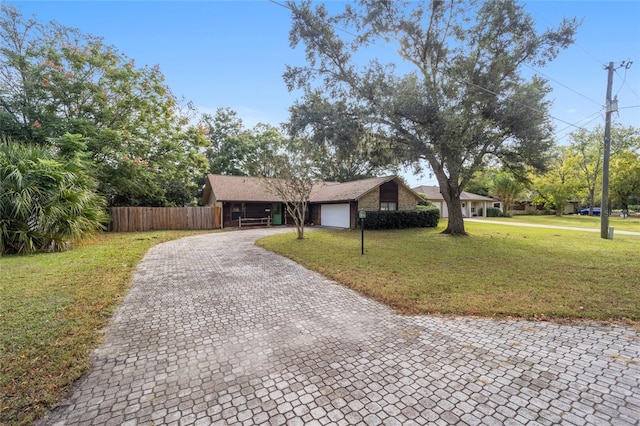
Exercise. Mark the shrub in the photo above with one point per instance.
(493, 212)
(427, 218)
(47, 197)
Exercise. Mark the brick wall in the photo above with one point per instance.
(406, 200)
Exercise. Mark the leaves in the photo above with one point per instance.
(464, 102)
(46, 200)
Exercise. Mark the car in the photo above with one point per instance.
(596, 211)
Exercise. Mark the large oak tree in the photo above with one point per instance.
(465, 98)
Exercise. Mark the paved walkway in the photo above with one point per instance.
(535, 225)
(218, 331)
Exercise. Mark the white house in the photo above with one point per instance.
(473, 205)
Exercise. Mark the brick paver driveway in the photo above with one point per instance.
(216, 330)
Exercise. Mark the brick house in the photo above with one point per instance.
(331, 204)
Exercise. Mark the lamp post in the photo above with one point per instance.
(362, 214)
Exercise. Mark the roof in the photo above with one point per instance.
(343, 191)
(244, 188)
(433, 193)
(237, 188)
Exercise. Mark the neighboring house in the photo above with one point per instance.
(331, 203)
(472, 204)
(528, 207)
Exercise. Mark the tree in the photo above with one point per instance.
(506, 189)
(465, 101)
(293, 183)
(587, 148)
(342, 146)
(235, 150)
(625, 178)
(267, 144)
(229, 142)
(47, 196)
(559, 184)
(55, 80)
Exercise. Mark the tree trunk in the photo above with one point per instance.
(455, 225)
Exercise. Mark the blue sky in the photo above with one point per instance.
(233, 53)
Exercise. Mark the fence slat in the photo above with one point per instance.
(133, 219)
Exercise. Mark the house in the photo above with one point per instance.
(472, 204)
(331, 204)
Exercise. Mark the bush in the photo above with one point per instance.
(427, 218)
(47, 197)
(493, 212)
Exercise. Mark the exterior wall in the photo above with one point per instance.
(370, 201)
(406, 200)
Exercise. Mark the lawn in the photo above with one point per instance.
(495, 272)
(628, 224)
(52, 311)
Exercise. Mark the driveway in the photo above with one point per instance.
(218, 331)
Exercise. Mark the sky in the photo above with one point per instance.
(233, 54)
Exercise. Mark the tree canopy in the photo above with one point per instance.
(56, 80)
(342, 145)
(465, 99)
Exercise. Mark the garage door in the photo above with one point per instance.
(336, 215)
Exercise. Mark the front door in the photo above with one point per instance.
(276, 212)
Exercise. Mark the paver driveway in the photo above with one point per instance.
(216, 330)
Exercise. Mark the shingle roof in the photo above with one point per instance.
(243, 188)
(239, 188)
(433, 193)
(343, 191)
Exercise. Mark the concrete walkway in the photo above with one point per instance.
(535, 225)
(218, 331)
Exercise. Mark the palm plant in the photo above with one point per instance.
(47, 197)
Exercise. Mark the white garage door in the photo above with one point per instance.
(335, 215)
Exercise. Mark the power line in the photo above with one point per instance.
(624, 81)
(563, 85)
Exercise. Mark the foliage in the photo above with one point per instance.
(481, 181)
(402, 219)
(342, 146)
(47, 196)
(559, 184)
(293, 183)
(423, 202)
(624, 186)
(55, 80)
(235, 150)
(493, 212)
(507, 189)
(541, 273)
(54, 307)
(466, 100)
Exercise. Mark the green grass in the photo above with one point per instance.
(52, 311)
(496, 272)
(628, 224)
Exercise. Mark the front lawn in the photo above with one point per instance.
(628, 224)
(52, 310)
(497, 271)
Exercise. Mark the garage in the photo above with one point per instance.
(335, 215)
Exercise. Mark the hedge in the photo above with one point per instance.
(402, 219)
(493, 212)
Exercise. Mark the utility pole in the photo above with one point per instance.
(604, 205)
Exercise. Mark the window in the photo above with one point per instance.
(496, 205)
(388, 206)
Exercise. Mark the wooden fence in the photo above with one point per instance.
(132, 219)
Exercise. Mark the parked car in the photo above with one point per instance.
(596, 211)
